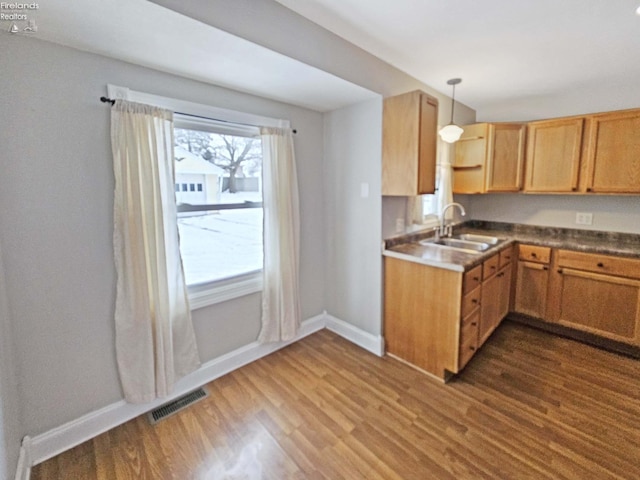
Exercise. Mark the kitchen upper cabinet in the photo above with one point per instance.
(599, 294)
(613, 152)
(532, 280)
(489, 157)
(409, 140)
(553, 155)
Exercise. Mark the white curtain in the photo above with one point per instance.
(155, 341)
(444, 175)
(280, 293)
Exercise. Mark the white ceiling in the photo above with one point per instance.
(502, 49)
(146, 34)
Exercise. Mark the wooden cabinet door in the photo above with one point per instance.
(505, 157)
(613, 153)
(495, 302)
(409, 139)
(489, 308)
(553, 155)
(602, 304)
(427, 144)
(531, 289)
(505, 292)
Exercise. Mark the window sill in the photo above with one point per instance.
(206, 294)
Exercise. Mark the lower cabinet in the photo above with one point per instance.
(496, 290)
(532, 283)
(436, 319)
(599, 294)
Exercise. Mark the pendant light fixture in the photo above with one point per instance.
(451, 133)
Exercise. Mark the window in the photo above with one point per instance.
(429, 205)
(208, 292)
(220, 215)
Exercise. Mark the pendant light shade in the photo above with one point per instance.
(451, 133)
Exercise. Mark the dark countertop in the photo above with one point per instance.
(407, 247)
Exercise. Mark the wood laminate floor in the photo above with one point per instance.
(529, 405)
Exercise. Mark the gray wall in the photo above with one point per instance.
(610, 213)
(56, 223)
(10, 434)
(353, 137)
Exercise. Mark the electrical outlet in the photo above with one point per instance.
(583, 218)
(400, 225)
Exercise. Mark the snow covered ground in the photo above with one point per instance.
(223, 244)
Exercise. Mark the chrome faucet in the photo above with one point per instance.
(445, 230)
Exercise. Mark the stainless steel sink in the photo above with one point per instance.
(463, 244)
(472, 237)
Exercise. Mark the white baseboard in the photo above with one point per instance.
(23, 470)
(53, 442)
(366, 340)
(71, 434)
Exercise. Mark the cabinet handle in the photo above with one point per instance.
(474, 300)
(574, 189)
(545, 267)
(559, 270)
(508, 257)
(473, 324)
(476, 279)
(472, 348)
(534, 255)
(589, 189)
(492, 267)
(600, 264)
(501, 274)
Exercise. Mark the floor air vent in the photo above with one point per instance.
(176, 405)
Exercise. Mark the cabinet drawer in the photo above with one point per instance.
(470, 302)
(605, 264)
(506, 256)
(534, 253)
(472, 279)
(468, 338)
(490, 267)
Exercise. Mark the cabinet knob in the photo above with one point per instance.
(473, 324)
(559, 270)
(534, 254)
(474, 300)
(589, 189)
(493, 267)
(545, 267)
(477, 279)
(600, 264)
(472, 348)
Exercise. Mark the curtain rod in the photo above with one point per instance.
(112, 102)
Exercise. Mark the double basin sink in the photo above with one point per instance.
(466, 242)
